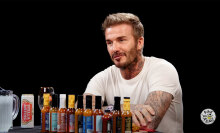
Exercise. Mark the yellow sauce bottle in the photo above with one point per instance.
(53, 114)
(45, 113)
(71, 114)
(126, 116)
(79, 115)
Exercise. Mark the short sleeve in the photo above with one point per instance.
(163, 77)
(96, 85)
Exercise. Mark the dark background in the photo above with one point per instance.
(61, 44)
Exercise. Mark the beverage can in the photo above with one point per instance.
(27, 111)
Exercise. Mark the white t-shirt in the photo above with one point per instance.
(157, 74)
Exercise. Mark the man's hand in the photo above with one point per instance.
(142, 114)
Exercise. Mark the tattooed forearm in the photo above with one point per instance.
(160, 102)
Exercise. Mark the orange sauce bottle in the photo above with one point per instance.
(107, 122)
(61, 115)
(117, 115)
(53, 114)
(126, 116)
(71, 114)
(45, 113)
(97, 115)
(87, 116)
(79, 115)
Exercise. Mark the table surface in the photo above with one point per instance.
(36, 129)
(18, 129)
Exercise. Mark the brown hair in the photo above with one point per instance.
(128, 18)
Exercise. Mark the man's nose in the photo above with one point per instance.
(115, 46)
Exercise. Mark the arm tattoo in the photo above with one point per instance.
(160, 102)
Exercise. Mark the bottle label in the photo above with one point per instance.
(47, 121)
(80, 123)
(61, 122)
(87, 124)
(128, 124)
(41, 120)
(118, 124)
(53, 122)
(99, 123)
(26, 112)
(71, 123)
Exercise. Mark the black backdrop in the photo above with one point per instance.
(61, 44)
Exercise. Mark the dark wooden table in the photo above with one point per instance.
(18, 129)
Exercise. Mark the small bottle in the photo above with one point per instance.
(87, 116)
(79, 115)
(71, 114)
(117, 116)
(53, 114)
(61, 115)
(97, 115)
(45, 113)
(126, 116)
(107, 122)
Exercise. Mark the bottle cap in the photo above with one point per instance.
(117, 105)
(71, 101)
(107, 111)
(46, 97)
(88, 102)
(54, 100)
(80, 101)
(62, 100)
(98, 102)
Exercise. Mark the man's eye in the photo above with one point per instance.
(108, 43)
(121, 40)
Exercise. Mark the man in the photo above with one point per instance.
(151, 83)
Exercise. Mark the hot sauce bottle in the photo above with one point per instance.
(117, 116)
(61, 115)
(79, 115)
(107, 122)
(71, 114)
(97, 115)
(53, 114)
(45, 113)
(126, 116)
(87, 116)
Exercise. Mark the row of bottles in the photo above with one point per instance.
(62, 119)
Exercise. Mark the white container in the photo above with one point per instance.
(27, 111)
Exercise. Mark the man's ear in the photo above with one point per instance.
(140, 43)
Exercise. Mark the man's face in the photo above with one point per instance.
(121, 44)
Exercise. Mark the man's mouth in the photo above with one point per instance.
(117, 57)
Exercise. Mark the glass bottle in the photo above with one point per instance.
(71, 114)
(40, 95)
(79, 115)
(117, 115)
(87, 116)
(61, 115)
(126, 116)
(45, 113)
(107, 122)
(53, 114)
(97, 115)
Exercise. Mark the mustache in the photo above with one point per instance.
(117, 54)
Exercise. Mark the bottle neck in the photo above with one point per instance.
(71, 104)
(117, 105)
(62, 103)
(46, 102)
(126, 106)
